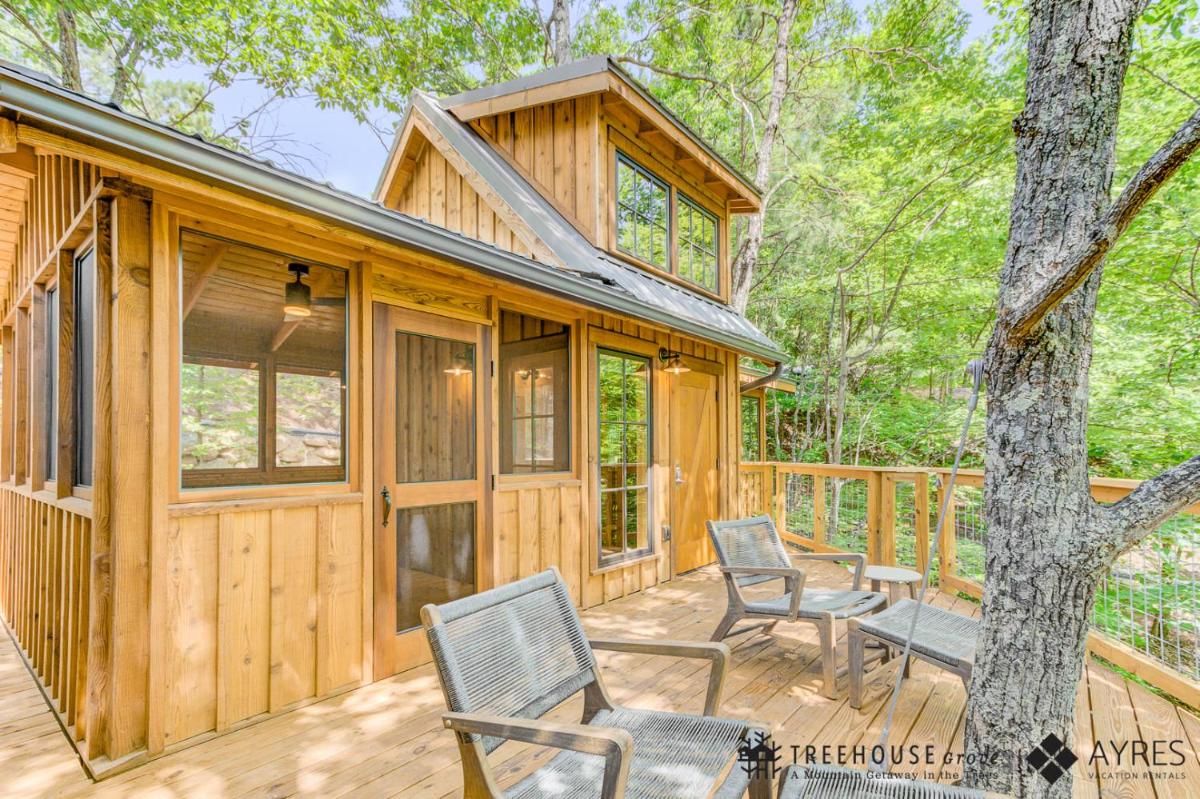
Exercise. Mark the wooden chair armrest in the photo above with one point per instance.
(857, 558)
(615, 746)
(774, 571)
(715, 652)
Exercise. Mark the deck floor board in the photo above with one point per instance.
(386, 739)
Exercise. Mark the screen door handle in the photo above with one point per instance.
(387, 504)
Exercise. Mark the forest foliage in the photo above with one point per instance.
(888, 186)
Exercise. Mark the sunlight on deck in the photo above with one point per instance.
(386, 739)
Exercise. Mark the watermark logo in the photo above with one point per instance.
(759, 756)
(1051, 758)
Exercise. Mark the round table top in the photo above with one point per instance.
(892, 574)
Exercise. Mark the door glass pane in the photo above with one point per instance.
(435, 558)
(435, 409)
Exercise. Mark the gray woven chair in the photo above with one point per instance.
(831, 782)
(750, 552)
(942, 637)
(507, 656)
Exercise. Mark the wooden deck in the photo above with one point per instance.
(386, 739)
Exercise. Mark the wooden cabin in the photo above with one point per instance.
(251, 424)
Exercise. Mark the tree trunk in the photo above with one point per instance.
(560, 32)
(1042, 566)
(68, 50)
(747, 256)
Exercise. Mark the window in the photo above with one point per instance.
(643, 214)
(535, 423)
(85, 340)
(50, 390)
(625, 445)
(697, 245)
(751, 429)
(262, 384)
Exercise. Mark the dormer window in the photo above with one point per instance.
(650, 211)
(643, 214)
(698, 262)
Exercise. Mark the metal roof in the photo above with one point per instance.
(570, 246)
(106, 125)
(582, 68)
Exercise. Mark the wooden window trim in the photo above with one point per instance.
(616, 153)
(682, 199)
(212, 485)
(626, 557)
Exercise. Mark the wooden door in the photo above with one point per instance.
(429, 474)
(695, 478)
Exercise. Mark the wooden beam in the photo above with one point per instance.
(285, 329)
(207, 270)
(8, 136)
(563, 90)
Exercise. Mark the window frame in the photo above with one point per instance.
(80, 431)
(267, 479)
(51, 385)
(621, 149)
(569, 333)
(605, 562)
(759, 438)
(684, 199)
(669, 227)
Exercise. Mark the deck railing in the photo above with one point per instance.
(1147, 612)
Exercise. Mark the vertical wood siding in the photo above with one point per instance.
(263, 611)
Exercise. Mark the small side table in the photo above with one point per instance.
(895, 577)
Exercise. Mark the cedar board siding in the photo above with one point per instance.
(155, 617)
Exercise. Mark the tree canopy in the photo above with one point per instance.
(887, 183)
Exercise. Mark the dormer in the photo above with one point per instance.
(601, 154)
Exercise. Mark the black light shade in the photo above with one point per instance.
(297, 297)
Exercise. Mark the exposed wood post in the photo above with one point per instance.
(921, 519)
(99, 677)
(819, 511)
(118, 671)
(778, 497)
(21, 398)
(887, 518)
(65, 464)
(6, 410)
(947, 552)
(874, 482)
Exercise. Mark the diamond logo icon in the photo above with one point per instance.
(1051, 758)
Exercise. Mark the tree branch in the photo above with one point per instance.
(1154, 501)
(1153, 174)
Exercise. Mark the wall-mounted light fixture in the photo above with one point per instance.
(297, 297)
(672, 361)
(461, 365)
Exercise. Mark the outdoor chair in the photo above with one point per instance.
(507, 656)
(942, 637)
(750, 552)
(832, 782)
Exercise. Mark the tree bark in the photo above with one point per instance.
(68, 50)
(747, 256)
(1043, 561)
(560, 32)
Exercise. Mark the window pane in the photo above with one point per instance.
(697, 238)
(643, 215)
(435, 409)
(435, 558)
(750, 429)
(263, 382)
(308, 423)
(219, 423)
(50, 433)
(85, 338)
(625, 456)
(534, 394)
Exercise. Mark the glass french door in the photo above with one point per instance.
(429, 474)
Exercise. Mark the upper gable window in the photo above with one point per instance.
(698, 261)
(643, 214)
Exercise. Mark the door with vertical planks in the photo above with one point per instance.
(429, 474)
(694, 476)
